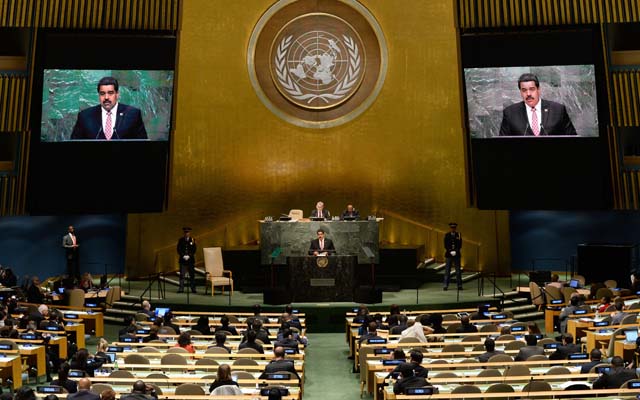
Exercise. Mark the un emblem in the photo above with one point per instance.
(311, 66)
(319, 68)
(322, 262)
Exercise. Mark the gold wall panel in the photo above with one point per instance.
(505, 13)
(102, 14)
(234, 162)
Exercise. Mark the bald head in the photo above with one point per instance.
(84, 384)
(139, 387)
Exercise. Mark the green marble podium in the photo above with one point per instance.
(293, 238)
(318, 279)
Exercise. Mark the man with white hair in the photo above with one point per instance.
(146, 309)
(41, 314)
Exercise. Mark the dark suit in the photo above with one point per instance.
(354, 214)
(83, 395)
(328, 246)
(562, 352)
(71, 254)
(555, 120)
(614, 379)
(452, 242)
(401, 385)
(484, 357)
(325, 214)
(279, 365)
(129, 124)
(585, 368)
(252, 345)
(187, 247)
(528, 351)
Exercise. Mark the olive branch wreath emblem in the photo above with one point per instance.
(291, 87)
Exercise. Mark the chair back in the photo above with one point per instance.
(167, 330)
(121, 373)
(611, 283)
(629, 319)
(216, 350)
(602, 292)
(242, 375)
(466, 389)
(213, 260)
(248, 350)
(98, 388)
(553, 293)
(189, 389)
(244, 361)
(453, 348)
(537, 298)
(76, 297)
(489, 328)
(173, 359)
(148, 349)
(296, 214)
(206, 361)
(580, 279)
(514, 345)
(177, 350)
(141, 317)
(136, 359)
(157, 375)
(537, 386)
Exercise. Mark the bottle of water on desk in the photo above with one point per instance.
(115, 364)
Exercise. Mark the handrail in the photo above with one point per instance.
(421, 225)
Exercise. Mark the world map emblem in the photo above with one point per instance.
(318, 68)
(317, 64)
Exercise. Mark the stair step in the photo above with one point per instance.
(471, 276)
(529, 316)
(438, 267)
(521, 308)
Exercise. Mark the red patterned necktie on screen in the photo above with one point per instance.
(108, 131)
(534, 122)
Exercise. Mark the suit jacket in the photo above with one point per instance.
(484, 357)
(452, 242)
(355, 213)
(187, 247)
(555, 120)
(67, 243)
(528, 351)
(615, 378)
(328, 246)
(401, 385)
(279, 365)
(129, 124)
(83, 395)
(562, 352)
(585, 368)
(325, 214)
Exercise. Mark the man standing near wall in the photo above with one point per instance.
(452, 246)
(70, 244)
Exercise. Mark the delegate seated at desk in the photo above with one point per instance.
(321, 245)
(320, 212)
(350, 212)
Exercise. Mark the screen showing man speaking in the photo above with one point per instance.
(532, 101)
(105, 105)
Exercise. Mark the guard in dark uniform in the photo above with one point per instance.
(452, 246)
(187, 259)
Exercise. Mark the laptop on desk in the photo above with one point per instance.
(631, 335)
(574, 283)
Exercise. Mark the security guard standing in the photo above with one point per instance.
(452, 246)
(187, 259)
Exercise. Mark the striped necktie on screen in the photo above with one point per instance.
(534, 122)
(108, 128)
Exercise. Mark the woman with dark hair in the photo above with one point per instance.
(203, 325)
(108, 394)
(63, 379)
(224, 378)
(84, 362)
(184, 341)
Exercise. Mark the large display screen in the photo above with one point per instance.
(536, 116)
(73, 100)
(498, 98)
(101, 121)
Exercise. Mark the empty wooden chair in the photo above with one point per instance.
(189, 389)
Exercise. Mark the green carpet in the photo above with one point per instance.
(327, 369)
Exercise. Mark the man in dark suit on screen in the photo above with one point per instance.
(321, 245)
(110, 120)
(534, 116)
(320, 212)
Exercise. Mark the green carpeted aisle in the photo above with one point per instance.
(327, 369)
